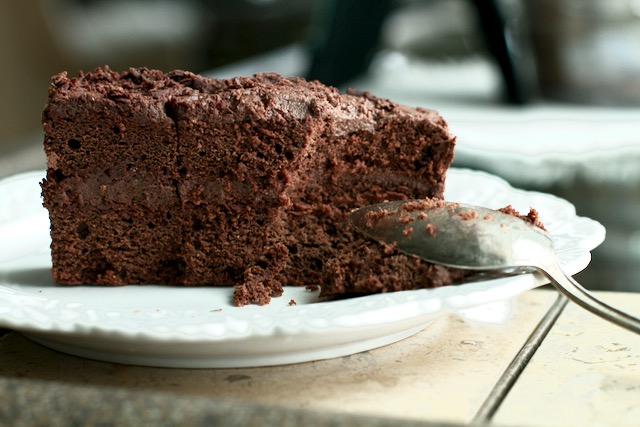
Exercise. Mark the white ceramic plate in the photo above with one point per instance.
(199, 327)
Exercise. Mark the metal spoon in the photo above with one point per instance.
(476, 238)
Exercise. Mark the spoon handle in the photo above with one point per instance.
(569, 287)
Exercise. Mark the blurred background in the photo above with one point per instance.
(544, 93)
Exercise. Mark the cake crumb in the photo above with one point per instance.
(407, 232)
(259, 287)
(421, 205)
(292, 302)
(532, 217)
(405, 218)
(431, 229)
(389, 249)
(468, 215)
(371, 217)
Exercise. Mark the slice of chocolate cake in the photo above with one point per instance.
(183, 180)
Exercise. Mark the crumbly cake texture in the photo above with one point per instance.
(178, 179)
(365, 267)
(368, 267)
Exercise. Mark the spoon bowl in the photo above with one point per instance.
(476, 238)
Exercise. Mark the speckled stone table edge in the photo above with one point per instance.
(36, 402)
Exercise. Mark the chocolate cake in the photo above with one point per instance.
(178, 179)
